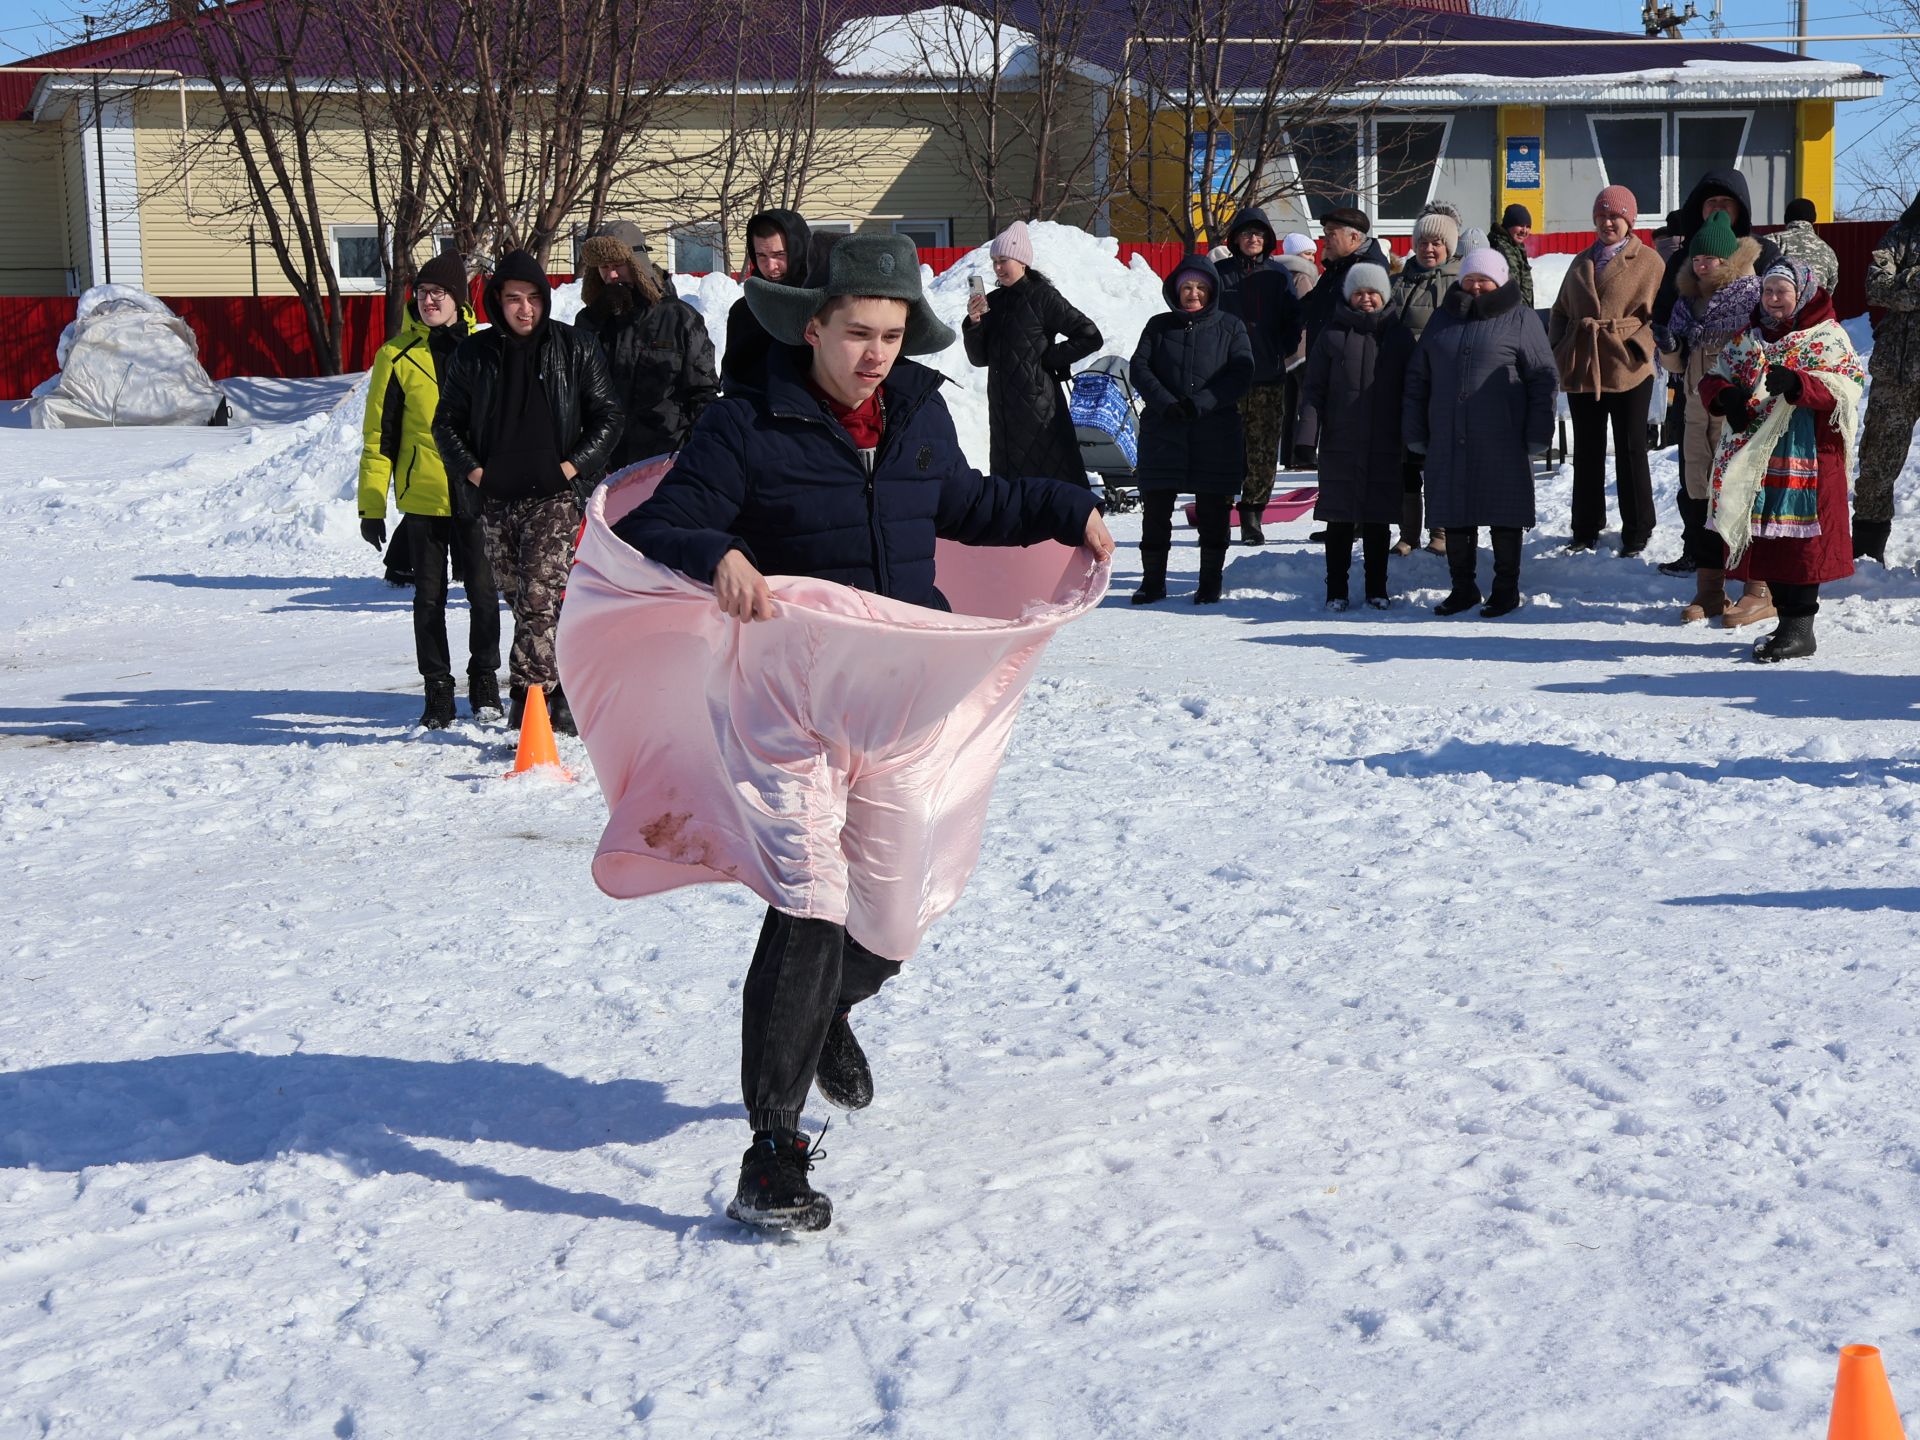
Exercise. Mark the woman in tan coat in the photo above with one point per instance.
(1601, 331)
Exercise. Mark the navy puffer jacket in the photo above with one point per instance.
(1202, 362)
(771, 473)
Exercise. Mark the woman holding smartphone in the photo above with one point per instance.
(1012, 332)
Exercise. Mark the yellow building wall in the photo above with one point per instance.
(1521, 121)
(35, 235)
(1813, 153)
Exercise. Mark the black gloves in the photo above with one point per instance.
(1733, 402)
(1782, 381)
(1185, 409)
(374, 532)
(1306, 457)
(1664, 338)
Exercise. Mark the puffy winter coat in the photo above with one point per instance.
(403, 390)
(1260, 292)
(1733, 185)
(745, 360)
(1350, 401)
(661, 364)
(1326, 299)
(1234, 268)
(1418, 291)
(1601, 328)
(771, 473)
(1205, 358)
(1026, 408)
(1479, 406)
(586, 413)
(1721, 309)
(1893, 283)
(1519, 266)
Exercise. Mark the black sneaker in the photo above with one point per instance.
(843, 1075)
(774, 1193)
(483, 694)
(1679, 568)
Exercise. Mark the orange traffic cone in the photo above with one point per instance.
(537, 750)
(1863, 1406)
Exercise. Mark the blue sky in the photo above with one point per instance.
(24, 31)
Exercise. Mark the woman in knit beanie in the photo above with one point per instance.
(1430, 272)
(1601, 330)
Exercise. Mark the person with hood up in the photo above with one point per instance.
(1601, 330)
(1258, 289)
(1800, 240)
(528, 418)
(1347, 243)
(403, 391)
(1479, 407)
(1190, 369)
(779, 243)
(656, 348)
(1718, 191)
(1893, 400)
(1790, 390)
(843, 467)
(1430, 272)
(1028, 337)
(1509, 237)
(1718, 293)
(1350, 415)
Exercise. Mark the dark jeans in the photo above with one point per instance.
(804, 972)
(1626, 412)
(1463, 557)
(433, 538)
(1214, 512)
(1376, 542)
(1794, 601)
(1703, 543)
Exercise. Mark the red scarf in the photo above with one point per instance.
(864, 422)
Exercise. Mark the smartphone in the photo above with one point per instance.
(976, 286)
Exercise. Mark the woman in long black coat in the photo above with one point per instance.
(1011, 332)
(1190, 370)
(1350, 403)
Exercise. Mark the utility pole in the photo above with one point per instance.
(1664, 21)
(100, 163)
(1801, 30)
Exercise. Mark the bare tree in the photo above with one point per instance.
(1882, 166)
(1507, 9)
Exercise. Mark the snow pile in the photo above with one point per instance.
(125, 360)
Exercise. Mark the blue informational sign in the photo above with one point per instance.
(1523, 162)
(1222, 150)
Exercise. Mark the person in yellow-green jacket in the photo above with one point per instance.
(403, 390)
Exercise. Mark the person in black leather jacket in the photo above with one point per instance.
(528, 415)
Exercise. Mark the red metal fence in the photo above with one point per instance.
(268, 335)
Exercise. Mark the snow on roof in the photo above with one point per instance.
(941, 42)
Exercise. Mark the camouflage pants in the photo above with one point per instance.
(530, 543)
(1892, 411)
(1263, 411)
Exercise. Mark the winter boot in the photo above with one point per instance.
(483, 693)
(1153, 577)
(1437, 542)
(1791, 641)
(1461, 558)
(843, 1075)
(1212, 562)
(1754, 605)
(559, 712)
(439, 712)
(1870, 539)
(516, 706)
(1682, 565)
(1250, 531)
(1506, 574)
(1709, 596)
(773, 1192)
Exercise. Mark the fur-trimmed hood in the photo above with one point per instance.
(1744, 262)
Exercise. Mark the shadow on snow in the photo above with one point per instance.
(1568, 765)
(1861, 898)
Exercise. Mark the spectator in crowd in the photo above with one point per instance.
(782, 479)
(1299, 257)
(403, 390)
(1430, 272)
(1479, 406)
(1893, 401)
(1190, 369)
(635, 239)
(1257, 289)
(1800, 240)
(779, 246)
(1028, 338)
(656, 348)
(1350, 415)
(1347, 243)
(1601, 330)
(528, 417)
(1721, 191)
(1790, 390)
(1509, 237)
(1718, 293)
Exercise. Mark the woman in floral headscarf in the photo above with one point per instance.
(1790, 391)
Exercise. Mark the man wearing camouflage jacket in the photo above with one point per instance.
(1893, 401)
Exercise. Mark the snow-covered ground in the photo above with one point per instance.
(1359, 1025)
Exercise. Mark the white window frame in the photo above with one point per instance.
(706, 232)
(830, 227)
(1745, 117)
(357, 284)
(1367, 165)
(1668, 140)
(942, 227)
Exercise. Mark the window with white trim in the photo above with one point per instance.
(359, 257)
(1633, 153)
(1387, 167)
(696, 249)
(926, 234)
(1714, 140)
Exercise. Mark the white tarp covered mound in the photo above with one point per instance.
(125, 360)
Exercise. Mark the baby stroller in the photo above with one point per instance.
(1104, 419)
